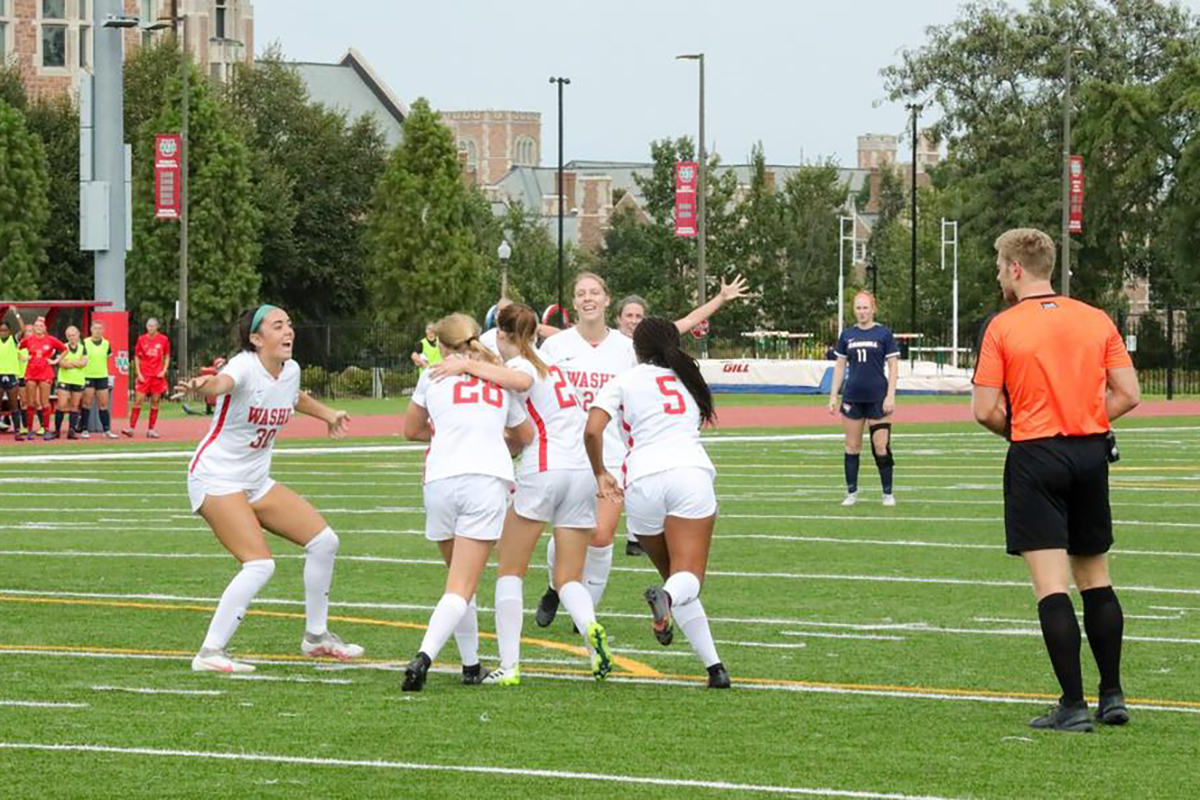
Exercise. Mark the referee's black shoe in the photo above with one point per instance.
(718, 676)
(1072, 718)
(632, 548)
(415, 673)
(472, 675)
(547, 608)
(1112, 710)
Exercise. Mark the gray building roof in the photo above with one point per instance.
(352, 87)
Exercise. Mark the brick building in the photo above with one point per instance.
(50, 41)
(496, 141)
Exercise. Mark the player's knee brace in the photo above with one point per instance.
(886, 459)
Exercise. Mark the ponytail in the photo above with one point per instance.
(519, 323)
(656, 341)
(459, 333)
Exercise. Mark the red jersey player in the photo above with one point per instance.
(43, 352)
(153, 356)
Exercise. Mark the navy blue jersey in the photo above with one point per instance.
(866, 353)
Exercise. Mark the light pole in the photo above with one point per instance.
(561, 82)
(842, 239)
(504, 252)
(702, 157)
(1066, 173)
(952, 226)
(915, 108)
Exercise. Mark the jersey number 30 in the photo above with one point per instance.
(676, 407)
(467, 391)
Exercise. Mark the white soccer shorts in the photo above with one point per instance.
(686, 492)
(473, 506)
(565, 498)
(199, 488)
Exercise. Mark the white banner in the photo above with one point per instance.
(778, 376)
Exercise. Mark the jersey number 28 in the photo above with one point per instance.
(467, 391)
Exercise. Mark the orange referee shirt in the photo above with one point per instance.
(1051, 355)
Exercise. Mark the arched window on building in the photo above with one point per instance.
(525, 152)
(468, 146)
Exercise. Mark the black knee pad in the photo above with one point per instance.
(884, 460)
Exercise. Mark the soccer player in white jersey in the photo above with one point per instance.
(554, 485)
(666, 479)
(230, 486)
(590, 354)
(468, 480)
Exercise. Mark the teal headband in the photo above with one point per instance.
(263, 310)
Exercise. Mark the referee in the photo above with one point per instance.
(1063, 369)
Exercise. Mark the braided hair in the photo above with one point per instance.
(656, 341)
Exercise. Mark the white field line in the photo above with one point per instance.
(144, 690)
(290, 679)
(1184, 609)
(39, 704)
(411, 766)
(860, 636)
(1018, 632)
(947, 545)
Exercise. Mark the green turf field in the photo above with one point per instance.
(875, 652)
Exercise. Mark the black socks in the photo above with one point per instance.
(1060, 630)
(1105, 625)
(851, 463)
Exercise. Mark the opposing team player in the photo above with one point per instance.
(670, 502)
(97, 349)
(153, 356)
(230, 485)
(468, 479)
(43, 354)
(868, 357)
(554, 485)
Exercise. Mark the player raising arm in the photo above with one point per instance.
(668, 478)
(230, 486)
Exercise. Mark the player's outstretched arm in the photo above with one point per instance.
(505, 378)
(729, 291)
(204, 385)
(338, 421)
(835, 386)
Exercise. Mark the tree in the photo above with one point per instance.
(223, 252)
(533, 267)
(423, 256)
(804, 298)
(24, 207)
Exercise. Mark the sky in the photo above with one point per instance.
(800, 76)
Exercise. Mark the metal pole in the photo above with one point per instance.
(953, 225)
(701, 222)
(560, 82)
(185, 147)
(916, 109)
(1066, 177)
(1170, 351)
(841, 297)
(109, 148)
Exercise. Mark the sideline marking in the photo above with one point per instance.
(141, 690)
(633, 667)
(462, 768)
(39, 704)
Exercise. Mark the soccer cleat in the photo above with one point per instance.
(851, 499)
(110, 434)
(660, 607)
(503, 677)
(547, 608)
(72, 434)
(889, 500)
(633, 548)
(329, 645)
(1060, 717)
(415, 673)
(718, 676)
(601, 657)
(49, 436)
(85, 435)
(472, 675)
(1112, 710)
(213, 660)
(20, 437)
(152, 434)
(127, 432)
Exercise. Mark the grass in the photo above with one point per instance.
(848, 632)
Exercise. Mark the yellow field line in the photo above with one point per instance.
(632, 667)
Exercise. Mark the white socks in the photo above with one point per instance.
(596, 567)
(319, 554)
(692, 620)
(510, 616)
(445, 618)
(578, 603)
(684, 587)
(466, 635)
(550, 549)
(237, 597)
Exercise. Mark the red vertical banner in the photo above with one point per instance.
(168, 164)
(116, 330)
(1075, 208)
(687, 178)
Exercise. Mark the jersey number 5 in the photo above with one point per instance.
(679, 406)
(467, 391)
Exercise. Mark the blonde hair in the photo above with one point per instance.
(520, 324)
(1029, 247)
(459, 333)
(868, 295)
(585, 275)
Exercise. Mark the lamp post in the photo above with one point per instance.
(504, 252)
(1066, 174)
(915, 108)
(702, 158)
(561, 83)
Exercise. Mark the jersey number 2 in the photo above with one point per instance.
(564, 400)
(679, 406)
(467, 391)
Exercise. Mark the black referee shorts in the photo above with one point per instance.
(1056, 496)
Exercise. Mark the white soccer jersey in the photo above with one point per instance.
(557, 418)
(588, 368)
(469, 416)
(488, 340)
(660, 419)
(237, 447)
